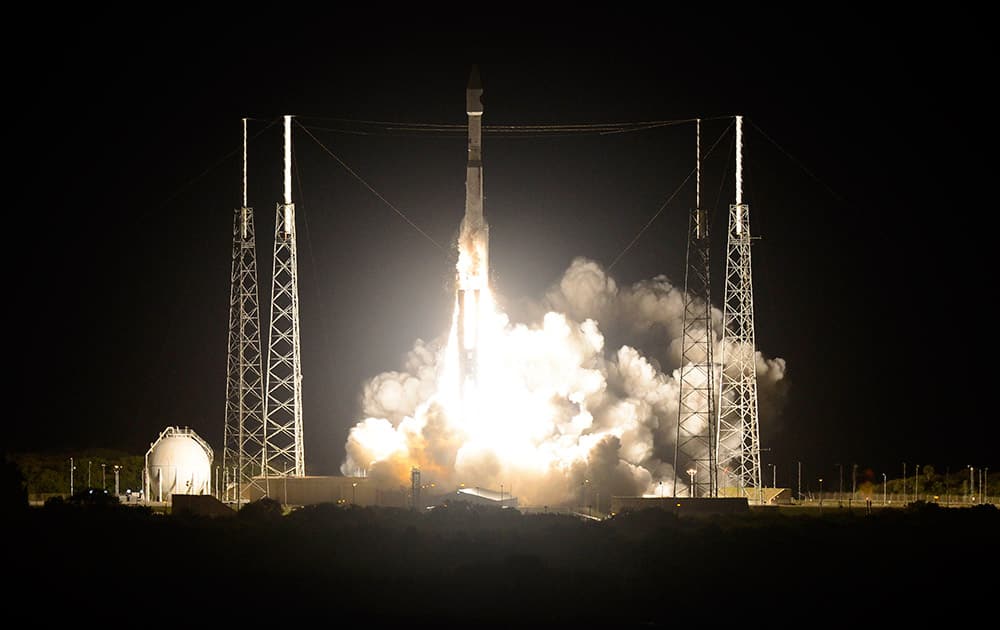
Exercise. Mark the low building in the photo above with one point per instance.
(482, 496)
(768, 496)
(314, 489)
(681, 506)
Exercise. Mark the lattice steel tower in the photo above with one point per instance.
(694, 449)
(244, 430)
(738, 431)
(284, 455)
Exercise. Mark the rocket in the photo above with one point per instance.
(474, 224)
(473, 265)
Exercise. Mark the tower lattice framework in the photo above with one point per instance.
(738, 427)
(694, 449)
(244, 429)
(284, 455)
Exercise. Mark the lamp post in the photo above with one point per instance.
(800, 481)
(840, 491)
(691, 473)
(854, 480)
(970, 484)
(117, 468)
(90, 485)
(916, 482)
(354, 493)
(72, 467)
(947, 485)
(661, 489)
(986, 485)
(821, 492)
(884, 491)
(104, 476)
(904, 483)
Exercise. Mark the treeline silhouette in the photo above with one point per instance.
(459, 565)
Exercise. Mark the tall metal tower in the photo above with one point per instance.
(244, 431)
(695, 445)
(738, 429)
(283, 454)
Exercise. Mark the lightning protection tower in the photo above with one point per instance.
(738, 448)
(695, 445)
(244, 430)
(284, 455)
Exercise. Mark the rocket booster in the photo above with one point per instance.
(475, 231)
(473, 265)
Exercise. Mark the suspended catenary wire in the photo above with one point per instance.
(373, 191)
(383, 127)
(799, 163)
(214, 165)
(532, 130)
(667, 202)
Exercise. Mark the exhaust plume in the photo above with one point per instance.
(559, 414)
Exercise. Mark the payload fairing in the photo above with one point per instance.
(473, 241)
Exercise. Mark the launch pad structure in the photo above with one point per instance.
(718, 430)
(284, 452)
(244, 431)
(263, 431)
(694, 449)
(738, 434)
(717, 442)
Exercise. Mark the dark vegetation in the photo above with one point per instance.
(48, 474)
(467, 567)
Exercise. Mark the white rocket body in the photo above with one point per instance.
(474, 239)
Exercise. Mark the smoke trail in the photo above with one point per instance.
(566, 418)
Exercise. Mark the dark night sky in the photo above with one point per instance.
(867, 275)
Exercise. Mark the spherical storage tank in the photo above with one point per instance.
(178, 462)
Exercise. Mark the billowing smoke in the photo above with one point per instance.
(563, 416)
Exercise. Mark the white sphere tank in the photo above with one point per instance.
(179, 462)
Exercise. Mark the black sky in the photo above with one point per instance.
(870, 271)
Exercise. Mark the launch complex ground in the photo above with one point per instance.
(508, 403)
(502, 414)
(295, 493)
(459, 566)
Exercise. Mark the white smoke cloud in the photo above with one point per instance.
(568, 419)
(584, 292)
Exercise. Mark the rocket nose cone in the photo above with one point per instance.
(474, 82)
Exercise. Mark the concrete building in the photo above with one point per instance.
(682, 506)
(310, 490)
(482, 496)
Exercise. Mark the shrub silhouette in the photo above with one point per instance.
(15, 488)
(263, 510)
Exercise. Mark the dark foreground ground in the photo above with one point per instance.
(461, 567)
